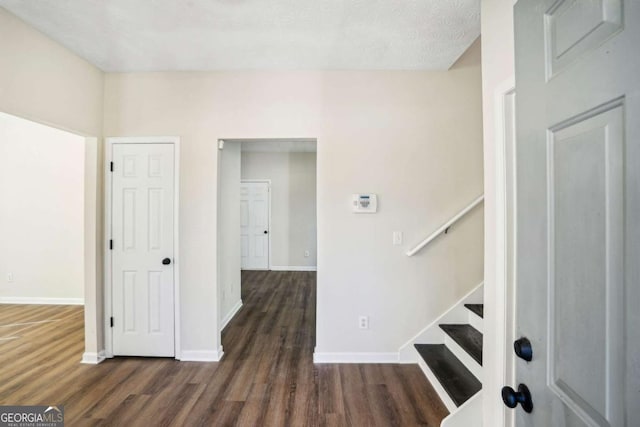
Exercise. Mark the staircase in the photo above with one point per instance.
(449, 352)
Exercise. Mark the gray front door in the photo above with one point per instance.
(578, 220)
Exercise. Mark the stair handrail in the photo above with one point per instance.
(445, 226)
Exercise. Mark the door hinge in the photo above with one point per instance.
(111, 244)
(111, 166)
(111, 321)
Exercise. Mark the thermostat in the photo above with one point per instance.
(365, 203)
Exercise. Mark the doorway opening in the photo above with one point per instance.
(266, 213)
(48, 185)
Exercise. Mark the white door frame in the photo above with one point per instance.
(505, 231)
(108, 296)
(268, 182)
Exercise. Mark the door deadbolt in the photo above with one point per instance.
(523, 349)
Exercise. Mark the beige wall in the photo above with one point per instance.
(42, 213)
(202, 108)
(293, 204)
(44, 82)
(497, 68)
(415, 140)
(412, 137)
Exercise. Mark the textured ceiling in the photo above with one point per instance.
(159, 35)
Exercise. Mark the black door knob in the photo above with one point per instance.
(166, 261)
(266, 232)
(511, 398)
(522, 347)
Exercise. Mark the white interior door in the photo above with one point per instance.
(143, 249)
(578, 216)
(254, 225)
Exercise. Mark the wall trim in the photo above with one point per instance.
(202, 355)
(501, 292)
(41, 301)
(92, 358)
(294, 268)
(356, 357)
(232, 313)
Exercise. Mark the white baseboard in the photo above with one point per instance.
(41, 301)
(236, 308)
(202, 355)
(92, 358)
(355, 357)
(294, 268)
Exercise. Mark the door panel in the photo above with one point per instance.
(155, 218)
(254, 225)
(586, 252)
(142, 229)
(129, 301)
(575, 27)
(578, 196)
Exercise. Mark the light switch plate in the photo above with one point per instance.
(397, 238)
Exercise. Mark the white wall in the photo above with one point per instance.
(229, 297)
(42, 214)
(497, 67)
(42, 81)
(293, 204)
(413, 137)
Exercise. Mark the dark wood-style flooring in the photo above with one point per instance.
(266, 378)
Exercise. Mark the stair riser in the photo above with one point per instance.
(464, 357)
(476, 321)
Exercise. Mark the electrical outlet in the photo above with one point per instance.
(9, 277)
(306, 254)
(363, 322)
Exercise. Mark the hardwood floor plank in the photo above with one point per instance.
(305, 405)
(330, 399)
(383, 408)
(126, 413)
(183, 412)
(356, 405)
(266, 378)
